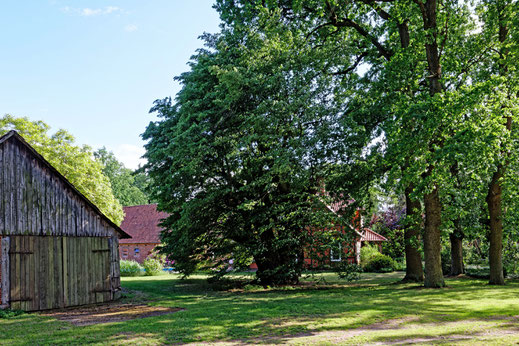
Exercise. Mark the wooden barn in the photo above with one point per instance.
(57, 248)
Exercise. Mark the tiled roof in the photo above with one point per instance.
(369, 235)
(142, 223)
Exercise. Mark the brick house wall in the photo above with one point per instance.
(142, 223)
(136, 252)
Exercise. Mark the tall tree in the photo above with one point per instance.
(123, 180)
(499, 19)
(236, 159)
(76, 163)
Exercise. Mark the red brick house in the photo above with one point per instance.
(142, 223)
(362, 236)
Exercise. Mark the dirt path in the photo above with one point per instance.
(115, 312)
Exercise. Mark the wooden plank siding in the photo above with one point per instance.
(47, 273)
(36, 202)
(57, 248)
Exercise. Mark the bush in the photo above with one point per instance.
(379, 264)
(130, 268)
(367, 252)
(8, 313)
(152, 266)
(348, 271)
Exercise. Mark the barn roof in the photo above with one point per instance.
(142, 223)
(13, 135)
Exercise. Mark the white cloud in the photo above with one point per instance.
(89, 12)
(130, 155)
(130, 28)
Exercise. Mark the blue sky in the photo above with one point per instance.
(94, 68)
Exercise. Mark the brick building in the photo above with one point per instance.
(142, 223)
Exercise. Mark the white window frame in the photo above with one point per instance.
(333, 258)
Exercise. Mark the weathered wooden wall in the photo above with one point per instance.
(35, 201)
(57, 249)
(57, 272)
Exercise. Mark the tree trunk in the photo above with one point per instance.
(495, 189)
(457, 266)
(413, 260)
(496, 229)
(456, 237)
(432, 233)
(432, 241)
(276, 266)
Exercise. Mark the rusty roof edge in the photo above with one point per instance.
(16, 135)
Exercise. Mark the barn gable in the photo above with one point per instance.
(37, 200)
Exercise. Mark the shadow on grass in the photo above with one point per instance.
(273, 315)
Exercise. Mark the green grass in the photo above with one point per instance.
(467, 311)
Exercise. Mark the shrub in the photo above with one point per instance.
(130, 268)
(348, 271)
(152, 266)
(367, 252)
(8, 313)
(379, 264)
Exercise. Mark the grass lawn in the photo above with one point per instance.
(377, 309)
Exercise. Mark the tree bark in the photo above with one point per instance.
(496, 229)
(413, 260)
(457, 266)
(432, 240)
(456, 237)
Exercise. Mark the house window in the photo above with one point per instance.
(137, 252)
(125, 252)
(336, 253)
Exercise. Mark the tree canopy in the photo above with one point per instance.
(127, 186)
(237, 158)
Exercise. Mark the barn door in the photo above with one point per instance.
(86, 263)
(56, 272)
(36, 273)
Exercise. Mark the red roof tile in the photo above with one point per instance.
(369, 235)
(142, 223)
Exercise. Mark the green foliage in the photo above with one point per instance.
(130, 268)
(446, 260)
(367, 252)
(152, 266)
(76, 163)
(127, 185)
(348, 271)
(435, 84)
(476, 252)
(8, 313)
(511, 257)
(236, 160)
(371, 260)
(379, 264)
